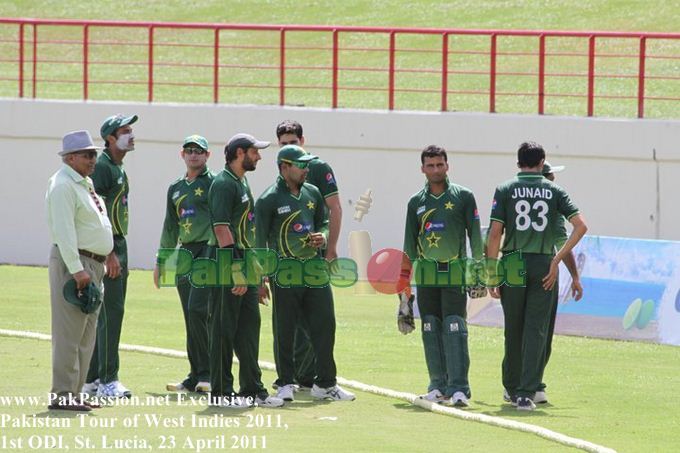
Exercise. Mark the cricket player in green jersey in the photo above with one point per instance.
(111, 183)
(234, 322)
(291, 220)
(438, 220)
(576, 289)
(528, 208)
(320, 175)
(187, 222)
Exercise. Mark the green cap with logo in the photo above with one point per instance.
(87, 299)
(196, 140)
(547, 168)
(114, 122)
(293, 153)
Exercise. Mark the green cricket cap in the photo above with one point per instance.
(87, 299)
(196, 140)
(293, 153)
(547, 168)
(114, 122)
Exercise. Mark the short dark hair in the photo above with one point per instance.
(229, 153)
(289, 127)
(530, 154)
(433, 151)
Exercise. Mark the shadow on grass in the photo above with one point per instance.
(542, 410)
(199, 402)
(57, 413)
(505, 410)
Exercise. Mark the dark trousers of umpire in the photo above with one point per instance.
(315, 307)
(105, 361)
(195, 309)
(234, 325)
(527, 311)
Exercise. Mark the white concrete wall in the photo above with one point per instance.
(611, 174)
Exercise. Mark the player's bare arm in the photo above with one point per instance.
(334, 225)
(576, 288)
(580, 229)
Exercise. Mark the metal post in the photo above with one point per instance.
(150, 88)
(541, 74)
(21, 60)
(445, 72)
(591, 75)
(335, 69)
(216, 68)
(86, 39)
(641, 78)
(282, 68)
(492, 76)
(390, 88)
(35, 58)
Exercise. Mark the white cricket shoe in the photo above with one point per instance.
(525, 404)
(460, 400)
(540, 397)
(231, 402)
(434, 396)
(286, 392)
(510, 399)
(113, 389)
(203, 387)
(269, 401)
(90, 387)
(335, 393)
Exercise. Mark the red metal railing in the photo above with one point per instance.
(535, 51)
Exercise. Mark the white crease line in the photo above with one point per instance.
(408, 397)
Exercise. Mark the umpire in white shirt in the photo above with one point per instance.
(81, 236)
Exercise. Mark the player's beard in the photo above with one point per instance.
(248, 163)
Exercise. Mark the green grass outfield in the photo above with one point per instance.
(622, 395)
(617, 15)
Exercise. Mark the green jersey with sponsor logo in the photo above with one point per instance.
(111, 183)
(529, 206)
(321, 175)
(231, 203)
(285, 221)
(436, 225)
(187, 216)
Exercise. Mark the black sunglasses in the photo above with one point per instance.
(194, 150)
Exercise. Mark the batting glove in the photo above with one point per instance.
(405, 322)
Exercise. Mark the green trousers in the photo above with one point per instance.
(527, 312)
(234, 325)
(551, 331)
(448, 368)
(304, 361)
(195, 310)
(314, 306)
(105, 361)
